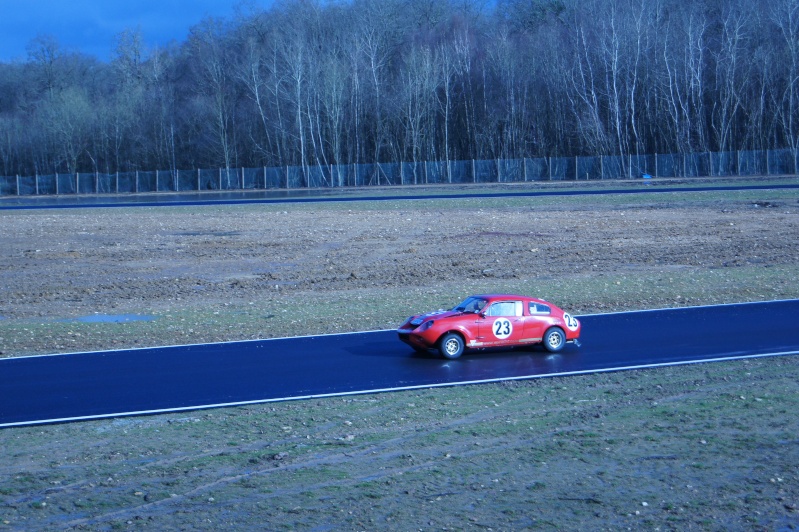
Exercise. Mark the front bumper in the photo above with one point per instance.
(414, 340)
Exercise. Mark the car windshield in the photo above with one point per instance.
(471, 304)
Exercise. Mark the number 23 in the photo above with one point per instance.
(502, 328)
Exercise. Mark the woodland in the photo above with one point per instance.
(314, 82)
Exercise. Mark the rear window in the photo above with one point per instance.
(539, 308)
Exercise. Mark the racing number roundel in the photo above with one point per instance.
(502, 328)
(571, 322)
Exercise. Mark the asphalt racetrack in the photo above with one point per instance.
(58, 388)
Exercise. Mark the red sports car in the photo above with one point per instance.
(493, 320)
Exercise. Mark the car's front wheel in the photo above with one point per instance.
(451, 345)
(554, 339)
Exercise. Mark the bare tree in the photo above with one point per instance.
(728, 77)
(785, 15)
(585, 90)
(67, 120)
(212, 66)
(323, 84)
(44, 52)
(419, 83)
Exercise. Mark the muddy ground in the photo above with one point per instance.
(704, 447)
(255, 271)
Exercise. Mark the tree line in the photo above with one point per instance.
(313, 82)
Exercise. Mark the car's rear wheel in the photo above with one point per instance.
(554, 339)
(451, 345)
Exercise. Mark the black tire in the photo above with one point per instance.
(554, 339)
(451, 345)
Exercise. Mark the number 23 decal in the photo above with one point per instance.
(502, 328)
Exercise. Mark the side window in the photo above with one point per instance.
(506, 308)
(539, 309)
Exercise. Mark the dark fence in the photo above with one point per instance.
(737, 163)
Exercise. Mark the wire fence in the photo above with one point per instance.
(716, 164)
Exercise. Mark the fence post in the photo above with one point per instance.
(738, 162)
(17, 184)
(768, 166)
(136, 184)
(96, 182)
(576, 170)
(77, 183)
(549, 167)
(656, 164)
(36, 182)
(56, 183)
(499, 172)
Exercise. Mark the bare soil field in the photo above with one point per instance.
(711, 446)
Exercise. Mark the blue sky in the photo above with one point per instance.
(89, 26)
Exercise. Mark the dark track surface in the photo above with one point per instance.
(317, 196)
(128, 382)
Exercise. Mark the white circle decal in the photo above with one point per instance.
(502, 328)
(571, 322)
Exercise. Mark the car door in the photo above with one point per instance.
(502, 323)
(538, 321)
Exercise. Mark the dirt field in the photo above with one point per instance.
(704, 447)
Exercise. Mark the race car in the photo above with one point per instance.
(491, 320)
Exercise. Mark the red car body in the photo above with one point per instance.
(491, 320)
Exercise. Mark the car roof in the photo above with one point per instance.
(509, 296)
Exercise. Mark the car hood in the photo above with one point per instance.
(435, 315)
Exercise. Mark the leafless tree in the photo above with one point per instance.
(313, 83)
(213, 87)
(785, 16)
